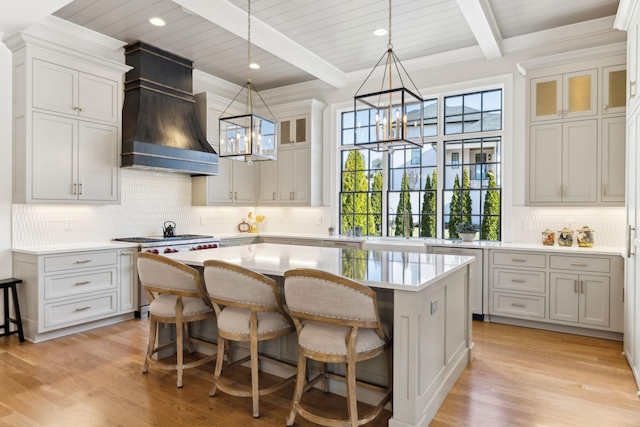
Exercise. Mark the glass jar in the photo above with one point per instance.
(548, 237)
(565, 237)
(585, 237)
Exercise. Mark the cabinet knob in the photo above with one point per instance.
(274, 196)
(80, 188)
(75, 189)
(231, 195)
(78, 109)
(605, 106)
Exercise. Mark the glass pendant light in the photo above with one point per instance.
(391, 117)
(250, 136)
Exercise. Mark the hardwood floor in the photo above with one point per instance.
(520, 377)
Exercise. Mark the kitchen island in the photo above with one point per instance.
(431, 311)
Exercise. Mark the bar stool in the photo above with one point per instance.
(6, 285)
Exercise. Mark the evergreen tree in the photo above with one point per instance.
(428, 224)
(467, 206)
(455, 209)
(376, 204)
(490, 229)
(355, 196)
(404, 204)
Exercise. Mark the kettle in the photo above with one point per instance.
(169, 230)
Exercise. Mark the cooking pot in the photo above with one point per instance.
(169, 229)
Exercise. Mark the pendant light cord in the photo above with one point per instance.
(249, 43)
(389, 45)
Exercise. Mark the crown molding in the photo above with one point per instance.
(570, 57)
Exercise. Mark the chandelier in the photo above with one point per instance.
(391, 117)
(250, 136)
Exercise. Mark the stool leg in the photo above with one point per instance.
(16, 309)
(6, 310)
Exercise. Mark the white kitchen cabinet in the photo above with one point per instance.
(564, 96)
(478, 294)
(579, 298)
(577, 293)
(66, 120)
(73, 160)
(68, 91)
(268, 183)
(614, 83)
(293, 177)
(632, 66)
(293, 131)
(235, 183)
(563, 162)
(612, 158)
(69, 292)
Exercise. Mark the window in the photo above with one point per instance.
(375, 199)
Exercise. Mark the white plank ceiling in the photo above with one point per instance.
(301, 40)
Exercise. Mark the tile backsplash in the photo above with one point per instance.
(151, 198)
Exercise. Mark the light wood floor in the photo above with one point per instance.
(520, 377)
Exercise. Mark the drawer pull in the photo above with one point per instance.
(86, 282)
(518, 281)
(83, 308)
(518, 260)
(579, 264)
(582, 286)
(339, 244)
(575, 286)
(84, 261)
(518, 305)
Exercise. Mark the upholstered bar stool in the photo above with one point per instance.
(176, 295)
(337, 321)
(10, 285)
(249, 309)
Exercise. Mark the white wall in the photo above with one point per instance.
(5, 161)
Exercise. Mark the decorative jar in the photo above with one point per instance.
(585, 237)
(548, 237)
(565, 237)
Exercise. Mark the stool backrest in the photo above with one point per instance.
(320, 296)
(166, 276)
(230, 284)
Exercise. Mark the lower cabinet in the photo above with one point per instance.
(64, 293)
(478, 279)
(560, 290)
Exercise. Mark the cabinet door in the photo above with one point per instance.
(476, 298)
(594, 300)
(545, 163)
(55, 88)
(98, 98)
(219, 190)
(632, 67)
(293, 130)
(546, 98)
(613, 159)
(97, 162)
(55, 151)
(268, 182)
(614, 85)
(301, 177)
(285, 176)
(243, 183)
(563, 300)
(128, 281)
(630, 258)
(580, 94)
(579, 161)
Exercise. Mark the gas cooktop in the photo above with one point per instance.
(163, 239)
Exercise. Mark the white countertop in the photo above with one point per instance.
(73, 247)
(378, 269)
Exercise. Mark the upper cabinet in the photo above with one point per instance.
(564, 96)
(66, 106)
(576, 134)
(293, 131)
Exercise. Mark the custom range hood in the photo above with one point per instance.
(160, 130)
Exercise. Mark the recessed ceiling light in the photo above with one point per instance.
(158, 22)
(380, 32)
(254, 66)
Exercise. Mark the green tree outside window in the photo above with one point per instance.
(455, 209)
(490, 229)
(404, 204)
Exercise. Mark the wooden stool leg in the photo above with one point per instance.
(300, 384)
(16, 309)
(6, 310)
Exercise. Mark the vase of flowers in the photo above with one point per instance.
(254, 222)
(466, 231)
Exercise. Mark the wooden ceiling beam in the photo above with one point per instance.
(480, 18)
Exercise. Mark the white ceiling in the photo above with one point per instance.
(300, 40)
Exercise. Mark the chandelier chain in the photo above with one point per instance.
(249, 43)
(389, 45)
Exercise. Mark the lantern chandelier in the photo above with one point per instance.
(248, 137)
(391, 117)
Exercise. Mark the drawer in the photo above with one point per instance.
(531, 281)
(80, 260)
(79, 283)
(580, 263)
(519, 259)
(79, 310)
(338, 244)
(520, 305)
(306, 242)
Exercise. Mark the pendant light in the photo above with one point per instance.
(391, 117)
(250, 136)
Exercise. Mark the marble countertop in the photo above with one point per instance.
(377, 269)
(73, 247)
